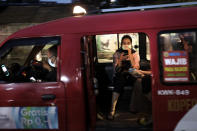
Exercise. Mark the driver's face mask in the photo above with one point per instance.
(51, 63)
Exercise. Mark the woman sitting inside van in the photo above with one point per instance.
(124, 59)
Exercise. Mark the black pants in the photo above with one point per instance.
(146, 84)
(123, 79)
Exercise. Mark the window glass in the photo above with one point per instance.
(17, 54)
(178, 56)
(108, 44)
(29, 60)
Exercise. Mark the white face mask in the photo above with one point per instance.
(124, 47)
(50, 63)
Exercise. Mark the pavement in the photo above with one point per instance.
(124, 121)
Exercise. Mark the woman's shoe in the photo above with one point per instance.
(145, 121)
(110, 117)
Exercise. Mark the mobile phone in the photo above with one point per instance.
(125, 52)
(5, 71)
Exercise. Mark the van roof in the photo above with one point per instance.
(106, 23)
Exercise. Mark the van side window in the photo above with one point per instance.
(29, 60)
(178, 56)
(108, 44)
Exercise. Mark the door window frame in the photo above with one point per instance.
(35, 41)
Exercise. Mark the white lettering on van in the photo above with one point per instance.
(165, 92)
(26, 122)
(173, 92)
(178, 61)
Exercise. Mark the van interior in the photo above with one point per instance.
(97, 52)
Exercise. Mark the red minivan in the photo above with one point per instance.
(85, 46)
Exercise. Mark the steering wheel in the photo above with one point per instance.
(21, 73)
(33, 72)
(36, 63)
(38, 71)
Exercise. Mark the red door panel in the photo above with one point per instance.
(32, 106)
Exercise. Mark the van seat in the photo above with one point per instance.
(109, 71)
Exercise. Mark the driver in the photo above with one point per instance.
(51, 66)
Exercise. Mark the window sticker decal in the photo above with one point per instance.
(175, 66)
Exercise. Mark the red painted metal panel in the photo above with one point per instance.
(30, 95)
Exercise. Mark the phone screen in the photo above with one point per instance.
(125, 52)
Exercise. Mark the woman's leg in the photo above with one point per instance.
(115, 97)
(119, 82)
(136, 96)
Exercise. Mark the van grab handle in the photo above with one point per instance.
(48, 97)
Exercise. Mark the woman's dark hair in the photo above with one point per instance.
(126, 37)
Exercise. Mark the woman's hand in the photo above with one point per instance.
(136, 67)
(128, 49)
(123, 56)
(140, 72)
(131, 58)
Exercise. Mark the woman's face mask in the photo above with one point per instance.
(51, 63)
(125, 47)
(126, 43)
